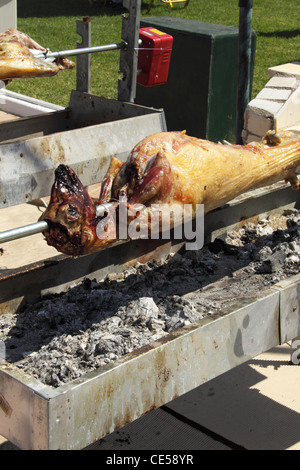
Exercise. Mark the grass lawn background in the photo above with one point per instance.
(53, 24)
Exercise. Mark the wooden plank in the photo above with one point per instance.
(7, 116)
(25, 251)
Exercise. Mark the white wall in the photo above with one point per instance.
(8, 14)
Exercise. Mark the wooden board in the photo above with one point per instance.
(7, 116)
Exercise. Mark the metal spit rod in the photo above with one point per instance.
(39, 227)
(21, 232)
(83, 50)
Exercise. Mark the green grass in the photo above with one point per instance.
(53, 24)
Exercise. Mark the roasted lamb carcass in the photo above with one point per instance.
(17, 59)
(164, 168)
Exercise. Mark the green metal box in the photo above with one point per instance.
(200, 95)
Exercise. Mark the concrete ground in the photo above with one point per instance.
(254, 406)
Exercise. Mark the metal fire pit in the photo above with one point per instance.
(36, 416)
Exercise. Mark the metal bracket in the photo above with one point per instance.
(83, 65)
(244, 64)
(129, 56)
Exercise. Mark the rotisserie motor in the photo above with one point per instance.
(164, 168)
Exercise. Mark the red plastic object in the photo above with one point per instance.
(154, 57)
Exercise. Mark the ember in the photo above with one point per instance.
(64, 336)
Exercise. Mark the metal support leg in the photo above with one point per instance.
(244, 64)
(83, 65)
(129, 56)
(150, 5)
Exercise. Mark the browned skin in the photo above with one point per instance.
(167, 168)
(17, 60)
(13, 35)
(71, 214)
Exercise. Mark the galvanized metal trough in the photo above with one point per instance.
(35, 416)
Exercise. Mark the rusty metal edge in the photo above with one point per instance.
(24, 419)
